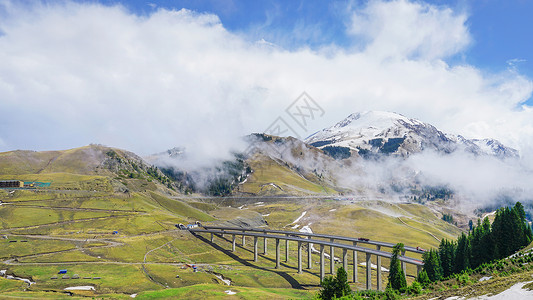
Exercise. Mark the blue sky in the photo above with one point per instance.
(501, 29)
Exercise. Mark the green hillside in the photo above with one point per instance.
(108, 215)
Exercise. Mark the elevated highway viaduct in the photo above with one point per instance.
(323, 240)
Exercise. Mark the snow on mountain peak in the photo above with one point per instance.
(387, 132)
(360, 130)
(374, 119)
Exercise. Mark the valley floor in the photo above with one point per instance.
(127, 244)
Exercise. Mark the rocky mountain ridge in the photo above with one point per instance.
(374, 132)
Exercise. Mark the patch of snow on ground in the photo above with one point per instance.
(488, 214)
(240, 207)
(334, 209)
(373, 266)
(257, 203)
(230, 292)
(226, 281)
(299, 218)
(266, 215)
(80, 288)
(514, 292)
(3, 273)
(307, 229)
(485, 278)
(133, 295)
(518, 254)
(295, 226)
(23, 279)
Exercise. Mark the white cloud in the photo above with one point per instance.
(72, 74)
(410, 29)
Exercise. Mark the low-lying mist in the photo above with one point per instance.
(477, 181)
(472, 182)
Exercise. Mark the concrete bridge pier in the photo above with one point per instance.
(255, 248)
(322, 270)
(354, 264)
(309, 262)
(299, 257)
(306, 242)
(277, 253)
(331, 258)
(287, 250)
(243, 239)
(345, 259)
(368, 272)
(378, 268)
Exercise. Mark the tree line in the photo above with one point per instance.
(485, 242)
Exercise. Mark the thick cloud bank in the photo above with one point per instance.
(73, 74)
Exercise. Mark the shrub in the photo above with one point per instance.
(463, 279)
(391, 294)
(423, 278)
(415, 288)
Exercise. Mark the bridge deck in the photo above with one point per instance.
(336, 237)
(287, 235)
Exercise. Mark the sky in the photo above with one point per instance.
(147, 76)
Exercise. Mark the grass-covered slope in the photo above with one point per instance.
(108, 215)
(287, 166)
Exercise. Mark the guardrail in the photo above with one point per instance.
(317, 235)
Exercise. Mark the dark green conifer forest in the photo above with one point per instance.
(485, 242)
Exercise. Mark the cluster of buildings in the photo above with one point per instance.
(17, 184)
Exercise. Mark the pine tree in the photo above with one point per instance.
(396, 275)
(509, 230)
(432, 265)
(343, 289)
(529, 234)
(487, 247)
(519, 208)
(462, 254)
(519, 216)
(328, 288)
(447, 257)
(335, 287)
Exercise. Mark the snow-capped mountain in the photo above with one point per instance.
(374, 132)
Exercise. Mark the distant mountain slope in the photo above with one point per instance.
(287, 166)
(88, 160)
(374, 132)
(93, 160)
(271, 166)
